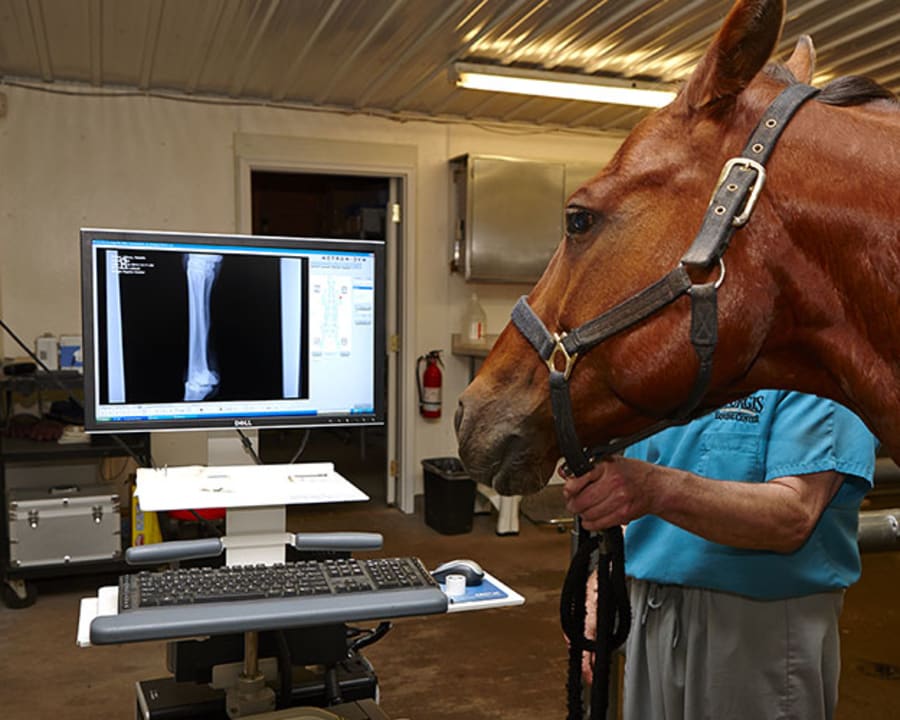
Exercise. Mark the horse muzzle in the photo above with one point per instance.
(499, 448)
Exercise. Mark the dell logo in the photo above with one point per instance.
(243, 423)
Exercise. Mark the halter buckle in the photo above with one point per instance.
(560, 348)
(755, 189)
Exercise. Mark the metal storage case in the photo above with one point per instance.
(58, 527)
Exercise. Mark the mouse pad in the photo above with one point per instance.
(477, 593)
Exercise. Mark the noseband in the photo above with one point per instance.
(730, 208)
(732, 203)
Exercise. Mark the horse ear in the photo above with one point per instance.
(802, 62)
(739, 51)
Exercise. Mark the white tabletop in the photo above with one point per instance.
(198, 486)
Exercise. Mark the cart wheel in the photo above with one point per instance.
(18, 594)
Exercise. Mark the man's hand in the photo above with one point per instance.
(614, 492)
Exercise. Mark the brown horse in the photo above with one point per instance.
(812, 291)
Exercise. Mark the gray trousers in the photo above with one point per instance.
(705, 655)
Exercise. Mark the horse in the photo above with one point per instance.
(806, 290)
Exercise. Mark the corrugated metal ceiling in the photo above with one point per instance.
(393, 56)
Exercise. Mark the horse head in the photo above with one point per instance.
(628, 227)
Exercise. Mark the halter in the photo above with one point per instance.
(730, 208)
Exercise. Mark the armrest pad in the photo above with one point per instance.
(163, 552)
(347, 541)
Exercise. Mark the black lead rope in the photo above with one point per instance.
(730, 208)
(613, 616)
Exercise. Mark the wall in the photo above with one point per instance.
(71, 161)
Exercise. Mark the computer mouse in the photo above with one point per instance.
(470, 569)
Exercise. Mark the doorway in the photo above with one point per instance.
(330, 206)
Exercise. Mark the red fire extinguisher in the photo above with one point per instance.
(429, 383)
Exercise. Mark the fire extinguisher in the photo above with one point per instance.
(429, 383)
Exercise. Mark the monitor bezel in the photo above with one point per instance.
(88, 236)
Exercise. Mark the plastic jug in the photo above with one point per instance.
(475, 323)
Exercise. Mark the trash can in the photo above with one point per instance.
(449, 496)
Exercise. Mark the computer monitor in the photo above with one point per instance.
(186, 331)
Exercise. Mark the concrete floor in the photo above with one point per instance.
(489, 665)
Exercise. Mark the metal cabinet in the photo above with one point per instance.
(508, 214)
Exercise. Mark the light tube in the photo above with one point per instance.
(561, 85)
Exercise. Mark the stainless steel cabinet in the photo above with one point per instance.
(508, 215)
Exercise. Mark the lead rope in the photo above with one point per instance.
(613, 617)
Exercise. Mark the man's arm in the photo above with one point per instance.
(777, 515)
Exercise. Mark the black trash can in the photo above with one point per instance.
(449, 496)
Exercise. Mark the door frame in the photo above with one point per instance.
(338, 157)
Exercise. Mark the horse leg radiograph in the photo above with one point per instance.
(201, 271)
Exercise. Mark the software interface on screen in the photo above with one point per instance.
(229, 332)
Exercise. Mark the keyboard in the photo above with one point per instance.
(237, 583)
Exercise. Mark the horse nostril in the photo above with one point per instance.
(458, 417)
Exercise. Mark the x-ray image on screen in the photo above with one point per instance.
(188, 327)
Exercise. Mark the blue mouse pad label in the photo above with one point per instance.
(477, 593)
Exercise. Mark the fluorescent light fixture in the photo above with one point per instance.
(566, 86)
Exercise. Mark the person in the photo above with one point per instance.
(741, 539)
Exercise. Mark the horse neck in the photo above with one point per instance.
(837, 272)
(836, 195)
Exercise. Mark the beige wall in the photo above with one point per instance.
(151, 163)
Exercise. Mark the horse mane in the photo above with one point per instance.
(843, 91)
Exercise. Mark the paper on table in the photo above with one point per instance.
(198, 487)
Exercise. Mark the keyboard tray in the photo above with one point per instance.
(182, 621)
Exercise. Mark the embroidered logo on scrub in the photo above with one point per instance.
(745, 410)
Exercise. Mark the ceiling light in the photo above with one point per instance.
(566, 86)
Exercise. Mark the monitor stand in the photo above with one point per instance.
(256, 533)
(224, 447)
(213, 448)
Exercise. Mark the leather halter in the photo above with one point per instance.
(730, 208)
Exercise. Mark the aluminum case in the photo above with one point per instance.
(60, 526)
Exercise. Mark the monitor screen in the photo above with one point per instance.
(187, 331)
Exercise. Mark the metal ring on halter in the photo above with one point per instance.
(560, 348)
(720, 279)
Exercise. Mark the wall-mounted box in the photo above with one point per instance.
(507, 214)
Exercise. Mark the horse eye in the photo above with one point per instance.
(578, 221)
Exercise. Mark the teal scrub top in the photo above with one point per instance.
(770, 434)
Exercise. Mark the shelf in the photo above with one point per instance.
(70, 569)
(38, 464)
(28, 384)
(23, 450)
(461, 346)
